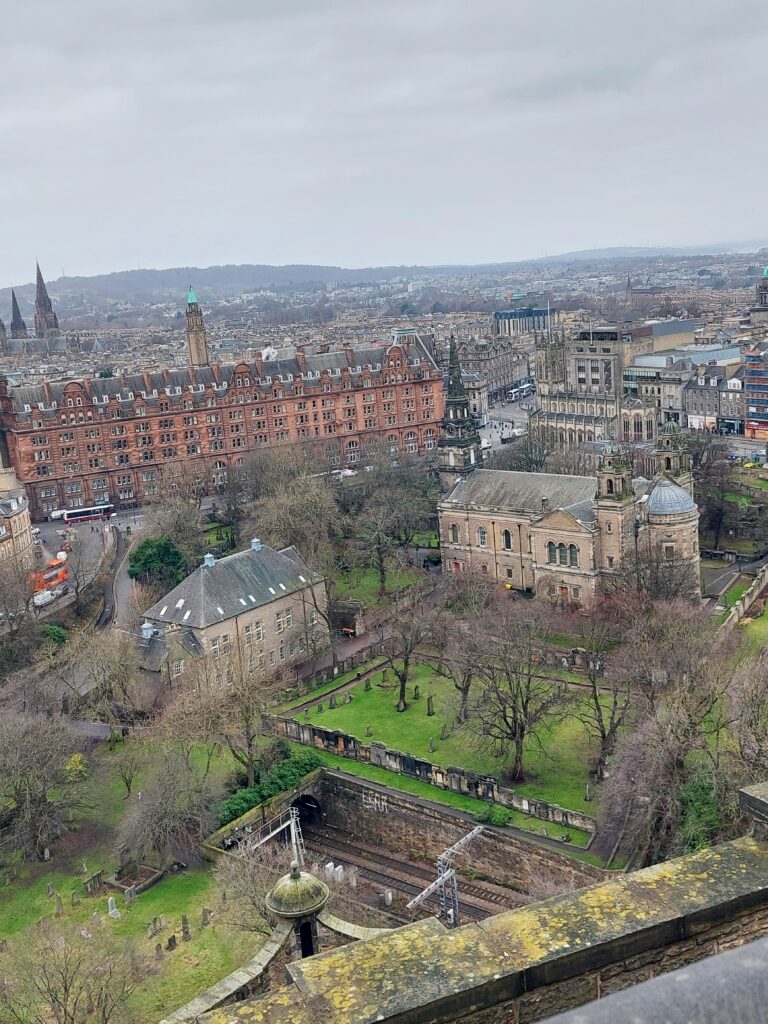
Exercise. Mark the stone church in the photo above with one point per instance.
(565, 537)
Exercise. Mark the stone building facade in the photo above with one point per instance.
(502, 362)
(568, 537)
(78, 443)
(260, 604)
(16, 540)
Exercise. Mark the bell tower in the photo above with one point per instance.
(197, 343)
(459, 443)
(672, 458)
(614, 507)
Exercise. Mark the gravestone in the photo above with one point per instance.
(59, 906)
(3, 945)
(46, 854)
(306, 714)
(130, 894)
(430, 706)
(401, 705)
(185, 933)
(444, 731)
(150, 931)
(347, 697)
(171, 943)
(367, 684)
(320, 707)
(368, 731)
(75, 898)
(158, 951)
(416, 692)
(112, 908)
(51, 890)
(205, 917)
(432, 745)
(387, 897)
(85, 933)
(338, 873)
(329, 870)
(332, 703)
(96, 917)
(161, 922)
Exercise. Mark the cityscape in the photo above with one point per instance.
(383, 627)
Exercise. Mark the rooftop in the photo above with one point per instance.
(501, 488)
(223, 588)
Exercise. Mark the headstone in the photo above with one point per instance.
(161, 922)
(338, 873)
(587, 794)
(385, 676)
(306, 714)
(367, 684)
(171, 943)
(46, 854)
(352, 875)
(150, 931)
(75, 898)
(60, 942)
(185, 933)
(8, 877)
(112, 908)
(416, 692)
(444, 731)
(387, 897)
(430, 706)
(85, 933)
(205, 917)
(432, 745)
(158, 951)
(96, 917)
(130, 894)
(329, 870)
(51, 889)
(3, 945)
(59, 906)
(332, 702)
(319, 707)
(347, 697)
(401, 705)
(368, 731)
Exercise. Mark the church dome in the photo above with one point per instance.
(669, 499)
(297, 894)
(670, 429)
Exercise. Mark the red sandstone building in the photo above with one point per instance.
(78, 443)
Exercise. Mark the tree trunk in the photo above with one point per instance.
(517, 767)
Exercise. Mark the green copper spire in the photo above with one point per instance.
(191, 297)
(765, 271)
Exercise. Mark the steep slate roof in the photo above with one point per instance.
(233, 585)
(584, 510)
(501, 488)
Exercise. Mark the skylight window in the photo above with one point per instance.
(272, 591)
(302, 578)
(282, 586)
(180, 603)
(252, 598)
(164, 609)
(219, 610)
(187, 613)
(243, 602)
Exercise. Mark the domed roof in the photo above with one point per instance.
(670, 428)
(297, 894)
(669, 499)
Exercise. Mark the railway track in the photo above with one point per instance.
(477, 901)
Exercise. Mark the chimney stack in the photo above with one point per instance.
(255, 544)
(209, 560)
(544, 505)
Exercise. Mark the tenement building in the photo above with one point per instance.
(79, 443)
(16, 540)
(569, 537)
(500, 361)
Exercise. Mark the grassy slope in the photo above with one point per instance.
(363, 585)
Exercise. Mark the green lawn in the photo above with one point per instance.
(735, 592)
(756, 633)
(426, 539)
(558, 775)
(211, 954)
(362, 585)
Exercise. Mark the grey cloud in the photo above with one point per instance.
(358, 132)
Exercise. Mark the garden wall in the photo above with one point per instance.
(458, 780)
(745, 603)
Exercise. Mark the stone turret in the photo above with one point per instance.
(197, 343)
(459, 443)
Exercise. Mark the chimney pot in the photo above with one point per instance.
(256, 544)
(209, 560)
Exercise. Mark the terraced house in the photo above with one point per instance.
(79, 443)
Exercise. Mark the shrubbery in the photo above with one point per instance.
(494, 814)
(281, 776)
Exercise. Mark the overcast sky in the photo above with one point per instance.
(360, 132)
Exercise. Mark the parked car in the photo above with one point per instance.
(61, 590)
(43, 599)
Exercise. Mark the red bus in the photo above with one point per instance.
(51, 576)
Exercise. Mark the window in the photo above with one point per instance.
(214, 645)
(506, 540)
(610, 561)
(609, 527)
(609, 487)
(576, 593)
(510, 574)
(562, 554)
(573, 555)
(482, 536)
(484, 570)
(178, 668)
(669, 552)
(551, 552)
(454, 533)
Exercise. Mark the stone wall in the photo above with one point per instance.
(744, 605)
(459, 780)
(417, 828)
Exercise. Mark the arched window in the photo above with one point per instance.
(626, 430)
(649, 430)
(573, 555)
(482, 536)
(609, 527)
(506, 540)
(638, 428)
(562, 554)
(454, 533)
(551, 552)
(609, 487)
(667, 463)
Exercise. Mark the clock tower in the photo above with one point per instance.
(459, 443)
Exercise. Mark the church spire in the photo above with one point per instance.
(18, 327)
(455, 383)
(46, 321)
(459, 443)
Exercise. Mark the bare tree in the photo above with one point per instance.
(177, 810)
(514, 703)
(527, 454)
(748, 695)
(57, 975)
(82, 568)
(33, 754)
(411, 625)
(132, 761)
(193, 720)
